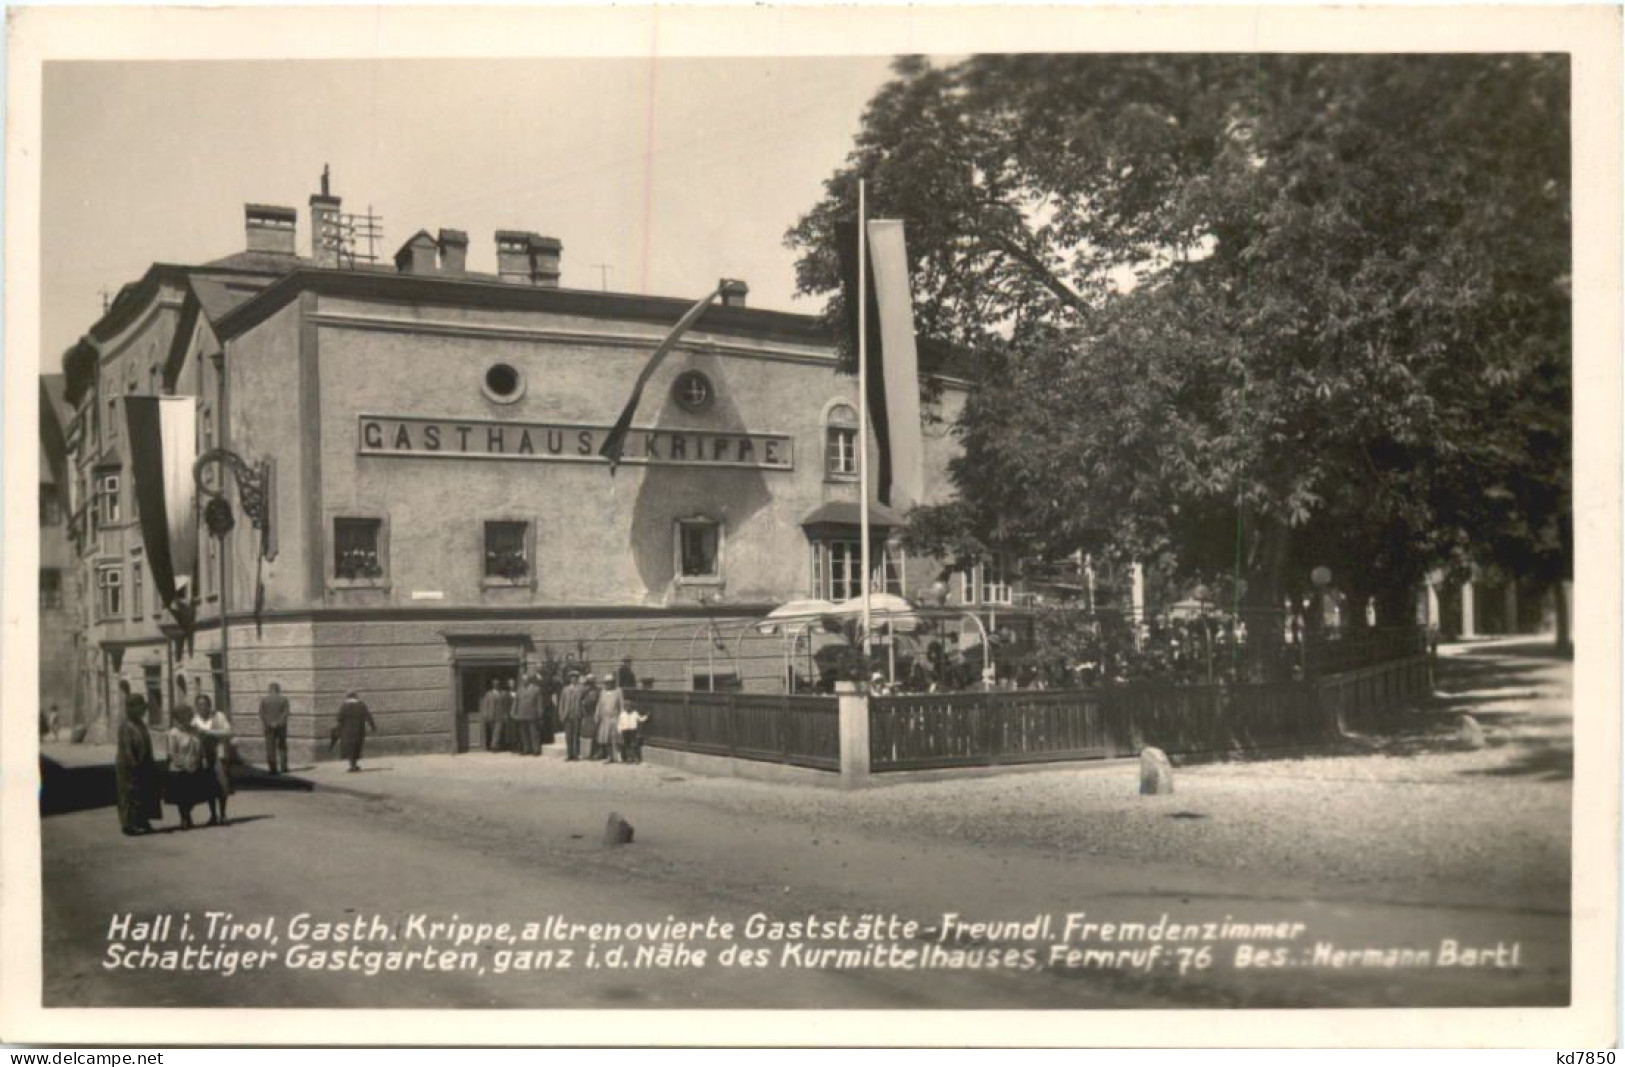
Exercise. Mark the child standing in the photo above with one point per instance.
(630, 723)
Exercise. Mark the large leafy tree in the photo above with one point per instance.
(1243, 314)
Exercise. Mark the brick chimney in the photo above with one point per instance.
(526, 258)
(453, 252)
(270, 229)
(545, 253)
(734, 292)
(513, 256)
(324, 229)
(417, 255)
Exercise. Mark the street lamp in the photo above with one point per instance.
(255, 492)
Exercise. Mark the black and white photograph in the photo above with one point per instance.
(887, 517)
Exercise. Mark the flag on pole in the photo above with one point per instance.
(615, 443)
(163, 447)
(893, 386)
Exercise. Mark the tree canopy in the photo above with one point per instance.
(1244, 315)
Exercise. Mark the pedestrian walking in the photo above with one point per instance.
(528, 717)
(274, 723)
(135, 772)
(350, 732)
(490, 706)
(214, 731)
(188, 782)
(611, 702)
(587, 716)
(570, 716)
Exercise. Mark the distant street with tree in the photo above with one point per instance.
(1239, 316)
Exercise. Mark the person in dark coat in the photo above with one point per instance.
(527, 717)
(274, 723)
(136, 772)
(570, 716)
(350, 733)
(490, 716)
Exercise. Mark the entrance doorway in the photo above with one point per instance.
(473, 680)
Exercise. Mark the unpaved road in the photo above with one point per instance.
(492, 838)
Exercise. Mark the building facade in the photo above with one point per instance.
(61, 626)
(440, 512)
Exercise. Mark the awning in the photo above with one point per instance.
(846, 513)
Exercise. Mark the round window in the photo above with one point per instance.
(693, 390)
(504, 383)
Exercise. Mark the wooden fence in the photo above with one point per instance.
(1029, 726)
(803, 731)
(1370, 693)
(939, 730)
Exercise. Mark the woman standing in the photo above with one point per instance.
(214, 730)
(136, 772)
(188, 781)
(610, 705)
(350, 733)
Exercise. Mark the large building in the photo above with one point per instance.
(440, 510)
(62, 626)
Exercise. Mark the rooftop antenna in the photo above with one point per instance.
(603, 275)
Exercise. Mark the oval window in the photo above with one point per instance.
(504, 383)
(693, 390)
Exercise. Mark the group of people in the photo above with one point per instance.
(586, 708)
(198, 770)
(597, 711)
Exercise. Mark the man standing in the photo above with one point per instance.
(507, 727)
(490, 704)
(570, 716)
(527, 717)
(274, 722)
(587, 713)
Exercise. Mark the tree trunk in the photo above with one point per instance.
(1263, 606)
(1560, 602)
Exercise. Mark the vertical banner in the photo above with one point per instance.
(899, 365)
(163, 447)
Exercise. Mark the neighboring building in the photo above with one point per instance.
(60, 625)
(440, 509)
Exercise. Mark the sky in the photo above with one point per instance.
(672, 171)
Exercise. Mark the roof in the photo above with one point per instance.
(848, 513)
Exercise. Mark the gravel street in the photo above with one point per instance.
(1398, 842)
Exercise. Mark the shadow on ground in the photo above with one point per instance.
(85, 788)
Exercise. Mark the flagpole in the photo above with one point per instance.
(863, 415)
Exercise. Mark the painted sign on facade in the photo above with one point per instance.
(392, 435)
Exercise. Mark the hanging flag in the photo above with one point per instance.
(893, 387)
(163, 446)
(615, 443)
(897, 361)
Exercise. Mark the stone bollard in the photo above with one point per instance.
(1469, 733)
(617, 831)
(1156, 773)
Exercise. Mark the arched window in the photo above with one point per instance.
(841, 442)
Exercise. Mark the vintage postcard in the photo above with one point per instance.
(812, 526)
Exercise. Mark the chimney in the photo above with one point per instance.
(513, 256)
(734, 292)
(324, 229)
(417, 255)
(270, 229)
(453, 252)
(544, 261)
